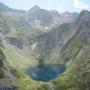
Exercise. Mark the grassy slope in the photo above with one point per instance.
(16, 58)
(18, 61)
(70, 54)
(76, 54)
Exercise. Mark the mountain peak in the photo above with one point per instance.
(55, 13)
(36, 7)
(3, 7)
(84, 16)
(84, 11)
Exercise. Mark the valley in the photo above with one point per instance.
(44, 50)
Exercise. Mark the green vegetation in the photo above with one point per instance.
(23, 44)
(2, 59)
(16, 57)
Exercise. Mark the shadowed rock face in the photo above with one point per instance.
(2, 59)
(16, 42)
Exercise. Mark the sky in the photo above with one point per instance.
(59, 5)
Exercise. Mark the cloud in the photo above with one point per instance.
(80, 5)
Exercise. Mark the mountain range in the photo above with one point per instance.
(55, 38)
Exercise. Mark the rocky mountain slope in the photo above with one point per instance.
(68, 44)
(59, 39)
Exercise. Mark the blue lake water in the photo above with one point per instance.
(46, 72)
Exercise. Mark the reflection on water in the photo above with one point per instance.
(45, 72)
